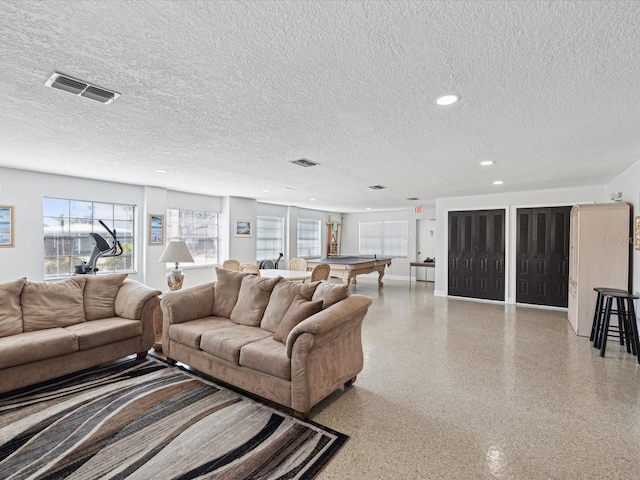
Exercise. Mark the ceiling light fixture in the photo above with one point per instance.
(445, 100)
(160, 170)
(498, 182)
(265, 190)
(368, 208)
(312, 199)
(486, 163)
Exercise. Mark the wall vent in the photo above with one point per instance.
(84, 89)
(303, 162)
(376, 187)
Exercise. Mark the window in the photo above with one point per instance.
(67, 225)
(269, 238)
(384, 238)
(200, 232)
(308, 238)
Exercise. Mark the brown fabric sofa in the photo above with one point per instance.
(292, 343)
(49, 329)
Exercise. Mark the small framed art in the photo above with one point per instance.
(156, 229)
(243, 228)
(6, 225)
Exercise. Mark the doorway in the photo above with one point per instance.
(542, 256)
(476, 254)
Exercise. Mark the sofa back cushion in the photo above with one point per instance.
(100, 295)
(10, 311)
(330, 293)
(226, 291)
(300, 309)
(253, 299)
(52, 304)
(281, 298)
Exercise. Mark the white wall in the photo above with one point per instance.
(510, 202)
(351, 235)
(628, 182)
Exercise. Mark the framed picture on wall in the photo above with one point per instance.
(156, 229)
(6, 225)
(637, 231)
(243, 228)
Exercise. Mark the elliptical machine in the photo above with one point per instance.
(101, 249)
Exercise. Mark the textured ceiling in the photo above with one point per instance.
(224, 94)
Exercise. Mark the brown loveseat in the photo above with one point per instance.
(49, 329)
(292, 343)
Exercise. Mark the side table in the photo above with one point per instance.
(157, 326)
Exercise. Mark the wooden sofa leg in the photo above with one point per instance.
(171, 361)
(349, 382)
(141, 355)
(300, 415)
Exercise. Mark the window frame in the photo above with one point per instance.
(276, 252)
(386, 237)
(309, 221)
(193, 241)
(72, 234)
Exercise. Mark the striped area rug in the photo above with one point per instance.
(141, 419)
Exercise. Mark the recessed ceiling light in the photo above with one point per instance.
(312, 199)
(485, 163)
(160, 170)
(368, 208)
(447, 100)
(498, 182)
(266, 191)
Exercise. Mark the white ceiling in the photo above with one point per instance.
(224, 94)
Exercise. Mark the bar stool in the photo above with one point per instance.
(627, 323)
(596, 325)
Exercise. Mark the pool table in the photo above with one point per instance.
(348, 266)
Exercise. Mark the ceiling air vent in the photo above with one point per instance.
(303, 162)
(78, 87)
(376, 187)
(413, 199)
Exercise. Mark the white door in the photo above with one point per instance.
(426, 248)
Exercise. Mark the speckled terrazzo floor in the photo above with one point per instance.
(456, 389)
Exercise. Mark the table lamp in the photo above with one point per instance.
(174, 253)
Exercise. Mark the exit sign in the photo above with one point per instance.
(417, 209)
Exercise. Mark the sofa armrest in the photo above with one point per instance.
(132, 297)
(331, 322)
(188, 304)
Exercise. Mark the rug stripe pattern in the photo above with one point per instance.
(140, 419)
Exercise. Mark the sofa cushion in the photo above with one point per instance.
(281, 298)
(10, 310)
(267, 356)
(189, 333)
(226, 291)
(100, 295)
(104, 331)
(253, 299)
(39, 345)
(300, 309)
(330, 293)
(226, 343)
(52, 304)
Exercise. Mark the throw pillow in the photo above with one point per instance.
(300, 309)
(10, 311)
(50, 305)
(226, 291)
(100, 295)
(330, 293)
(281, 299)
(253, 299)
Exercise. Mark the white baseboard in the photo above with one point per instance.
(439, 293)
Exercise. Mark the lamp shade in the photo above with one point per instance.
(176, 252)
